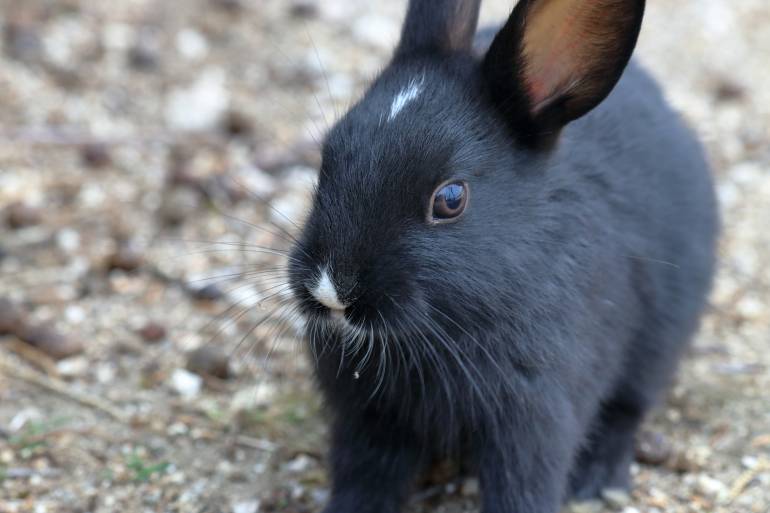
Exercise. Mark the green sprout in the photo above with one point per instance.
(143, 470)
(34, 435)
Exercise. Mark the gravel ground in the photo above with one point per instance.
(148, 361)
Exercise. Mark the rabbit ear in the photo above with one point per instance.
(555, 60)
(439, 26)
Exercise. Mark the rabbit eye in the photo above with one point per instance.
(449, 201)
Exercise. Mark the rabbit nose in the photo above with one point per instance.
(325, 292)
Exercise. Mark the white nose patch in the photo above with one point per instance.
(325, 292)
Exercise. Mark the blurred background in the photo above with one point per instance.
(149, 360)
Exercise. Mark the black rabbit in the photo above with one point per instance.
(487, 277)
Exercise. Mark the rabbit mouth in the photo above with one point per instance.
(336, 317)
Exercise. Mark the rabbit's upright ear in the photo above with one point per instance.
(439, 26)
(555, 60)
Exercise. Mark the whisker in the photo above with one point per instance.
(233, 320)
(325, 76)
(241, 251)
(283, 326)
(434, 358)
(410, 354)
(452, 348)
(305, 114)
(273, 209)
(217, 278)
(265, 318)
(290, 240)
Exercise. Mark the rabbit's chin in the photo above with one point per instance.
(332, 320)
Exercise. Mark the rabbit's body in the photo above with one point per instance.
(529, 337)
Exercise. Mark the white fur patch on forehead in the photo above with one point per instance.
(326, 293)
(407, 95)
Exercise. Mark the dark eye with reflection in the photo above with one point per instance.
(449, 201)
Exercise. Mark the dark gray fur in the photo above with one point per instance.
(528, 339)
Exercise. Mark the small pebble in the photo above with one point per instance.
(73, 367)
(228, 5)
(209, 360)
(470, 488)
(247, 399)
(299, 464)
(22, 215)
(11, 317)
(375, 30)
(142, 57)
(152, 374)
(179, 174)
(210, 292)
(125, 258)
(683, 462)
(652, 448)
(246, 507)
(273, 159)
(728, 91)
(152, 332)
(616, 498)
(68, 240)
(95, 156)
(186, 384)
(179, 205)
(586, 507)
(210, 96)
(22, 42)
(305, 9)
(49, 341)
(320, 496)
(250, 183)
(710, 487)
(237, 124)
(191, 44)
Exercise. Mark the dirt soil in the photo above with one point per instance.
(149, 360)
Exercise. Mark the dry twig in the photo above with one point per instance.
(20, 371)
(740, 484)
(34, 356)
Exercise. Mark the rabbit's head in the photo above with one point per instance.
(434, 202)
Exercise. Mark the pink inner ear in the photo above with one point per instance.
(554, 42)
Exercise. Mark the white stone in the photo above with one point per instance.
(68, 240)
(117, 36)
(23, 417)
(105, 373)
(616, 498)
(377, 31)
(201, 105)
(74, 314)
(186, 384)
(710, 487)
(299, 464)
(246, 507)
(72, 367)
(191, 44)
(470, 487)
(253, 397)
(255, 181)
